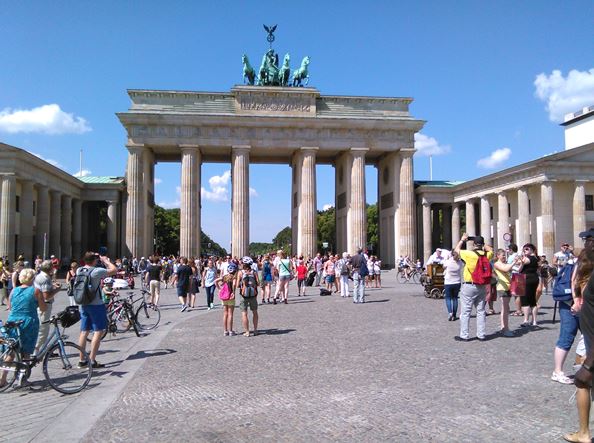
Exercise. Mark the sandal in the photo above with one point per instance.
(246, 334)
(516, 314)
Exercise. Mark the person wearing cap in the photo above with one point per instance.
(583, 303)
(472, 294)
(561, 256)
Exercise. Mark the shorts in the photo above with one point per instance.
(230, 302)
(251, 302)
(504, 293)
(93, 318)
(284, 278)
(182, 291)
(330, 279)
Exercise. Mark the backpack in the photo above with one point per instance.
(248, 287)
(363, 270)
(482, 272)
(562, 283)
(82, 289)
(344, 267)
(266, 269)
(225, 292)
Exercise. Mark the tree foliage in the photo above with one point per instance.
(327, 229)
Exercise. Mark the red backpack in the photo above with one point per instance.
(482, 272)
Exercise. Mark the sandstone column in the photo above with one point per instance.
(357, 216)
(523, 235)
(112, 227)
(307, 216)
(470, 222)
(26, 231)
(455, 225)
(486, 219)
(190, 202)
(240, 200)
(7, 216)
(407, 206)
(548, 222)
(579, 214)
(42, 228)
(55, 223)
(136, 202)
(77, 229)
(446, 226)
(502, 219)
(66, 232)
(427, 247)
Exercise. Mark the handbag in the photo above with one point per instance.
(518, 284)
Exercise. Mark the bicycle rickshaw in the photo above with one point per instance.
(433, 281)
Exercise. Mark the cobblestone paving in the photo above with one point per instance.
(325, 369)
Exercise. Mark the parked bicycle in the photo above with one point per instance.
(59, 358)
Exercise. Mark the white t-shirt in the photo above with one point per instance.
(453, 271)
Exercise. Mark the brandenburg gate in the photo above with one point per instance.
(275, 124)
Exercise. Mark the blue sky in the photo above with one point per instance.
(492, 79)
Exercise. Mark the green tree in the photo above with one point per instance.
(257, 248)
(327, 229)
(283, 239)
(372, 227)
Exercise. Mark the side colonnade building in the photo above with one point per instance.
(46, 211)
(295, 126)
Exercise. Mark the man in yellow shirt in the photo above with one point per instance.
(472, 294)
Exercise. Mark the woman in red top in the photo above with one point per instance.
(301, 275)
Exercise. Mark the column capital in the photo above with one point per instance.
(407, 153)
(425, 202)
(55, 192)
(240, 148)
(309, 149)
(135, 147)
(188, 148)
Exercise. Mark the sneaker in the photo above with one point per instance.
(212, 306)
(232, 333)
(226, 333)
(97, 365)
(561, 378)
(83, 364)
(507, 333)
(184, 307)
(458, 338)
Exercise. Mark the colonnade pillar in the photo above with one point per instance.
(357, 216)
(486, 219)
(502, 218)
(112, 227)
(66, 231)
(135, 211)
(77, 229)
(240, 200)
(7, 216)
(406, 213)
(26, 228)
(455, 225)
(427, 247)
(523, 235)
(548, 222)
(55, 223)
(579, 213)
(303, 199)
(42, 227)
(446, 226)
(190, 202)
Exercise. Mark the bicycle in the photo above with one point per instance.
(413, 276)
(60, 358)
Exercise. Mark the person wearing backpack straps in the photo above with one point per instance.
(476, 282)
(93, 315)
(48, 288)
(247, 282)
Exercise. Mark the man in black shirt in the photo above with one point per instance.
(153, 280)
(583, 378)
(182, 282)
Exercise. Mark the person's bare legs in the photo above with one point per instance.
(518, 305)
(526, 311)
(504, 313)
(230, 310)
(225, 318)
(95, 343)
(583, 435)
(534, 315)
(255, 321)
(245, 322)
(560, 356)
(82, 342)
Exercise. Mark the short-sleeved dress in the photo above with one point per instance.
(531, 272)
(24, 307)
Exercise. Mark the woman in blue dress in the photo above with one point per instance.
(24, 301)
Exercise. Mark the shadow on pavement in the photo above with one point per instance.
(377, 301)
(275, 331)
(151, 353)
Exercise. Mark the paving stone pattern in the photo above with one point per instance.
(325, 369)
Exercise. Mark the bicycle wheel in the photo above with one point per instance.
(401, 277)
(416, 278)
(122, 320)
(435, 293)
(8, 364)
(132, 319)
(147, 317)
(60, 367)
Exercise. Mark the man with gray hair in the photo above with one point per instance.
(360, 271)
(344, 268)
(43, 282)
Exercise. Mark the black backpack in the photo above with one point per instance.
(82, 289)
(249, 286)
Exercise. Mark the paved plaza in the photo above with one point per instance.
(322, 369)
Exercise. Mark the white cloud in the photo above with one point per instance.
(327, 206)
(563, 95)
(158, 181)
(48, 160)
(83, 173)
(219, 188)
(496, 159)
(253, 192)
(48, 119)
(172, 204)
(427, 146)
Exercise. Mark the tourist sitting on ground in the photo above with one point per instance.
(502, 271)
(247, 282)
(229, 300)
(25, 300)
(452, 281)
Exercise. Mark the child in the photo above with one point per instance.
(301, 275)
(229, 304)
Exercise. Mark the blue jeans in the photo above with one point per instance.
(569, 326)
(358, 288)
(210, 290)
(451, 298)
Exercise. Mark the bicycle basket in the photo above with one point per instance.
(69, 316)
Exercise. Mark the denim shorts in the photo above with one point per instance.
(182, 291)
(569, 326)
(93, 318)
(330, 279)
